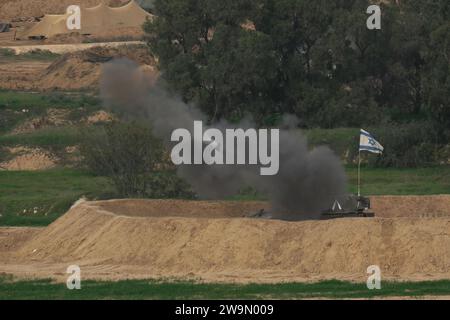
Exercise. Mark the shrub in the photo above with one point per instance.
(167, 184)
(126, 153)
(6, 52)
(408, 145)
(132, 158)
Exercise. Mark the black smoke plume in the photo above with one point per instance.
(307, 182)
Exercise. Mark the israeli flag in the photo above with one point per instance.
(368, 143)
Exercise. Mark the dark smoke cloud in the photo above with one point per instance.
(307, 182)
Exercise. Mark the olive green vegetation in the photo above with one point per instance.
(35, 55)
(17, 100)
(343, 141)
(408, 146)
(152, 289)
(420, 181)
(52, 192)
(17, 107)
(45, 138)
(38, 54)
(340, 140)
(316, 60)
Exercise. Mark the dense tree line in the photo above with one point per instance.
(315, 59)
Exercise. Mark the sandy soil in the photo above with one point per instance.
(52, 118)
(99, 117)
(215, 241)
(72, 71)
(29, 159)
(20, 75)
(67, 48)
(411, 206)
(7, 39)
(13, 238)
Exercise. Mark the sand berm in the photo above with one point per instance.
(217, 241)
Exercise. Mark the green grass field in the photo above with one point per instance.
(416, 181)
(54, 137)
(142, 289)
(50, 193)
(17, 100)
(17, 107)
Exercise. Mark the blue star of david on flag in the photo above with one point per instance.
(368, 143)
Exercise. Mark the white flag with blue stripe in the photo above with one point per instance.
(368, 143)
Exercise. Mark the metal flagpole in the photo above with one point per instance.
(359, 173)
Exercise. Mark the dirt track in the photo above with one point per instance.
(66, 48)
(214, 242)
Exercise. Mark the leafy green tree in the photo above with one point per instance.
(133, 159)
(315, 59)
(437, 81)
(127, 153)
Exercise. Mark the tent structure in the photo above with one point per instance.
(93, 21)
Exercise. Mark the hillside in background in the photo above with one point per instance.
(15, 9)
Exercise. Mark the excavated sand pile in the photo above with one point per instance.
(29, 159)
(213, 241)
(82, 69)
(72, 71)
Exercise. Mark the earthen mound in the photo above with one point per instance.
(213, 241)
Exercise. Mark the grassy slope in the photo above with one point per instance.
(19, 100)
(12, 105)
(57, 137)
(141, 289)
(420, 181)
(52, 192)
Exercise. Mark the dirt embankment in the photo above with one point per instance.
(20, 75)
(80, 70)
(68, 48)
(30, 159)
(411, 206)
(11, 239)
(72, 71)
(213, 242)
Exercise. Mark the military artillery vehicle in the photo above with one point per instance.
(349, 206)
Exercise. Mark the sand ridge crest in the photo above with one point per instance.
(228, 246)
